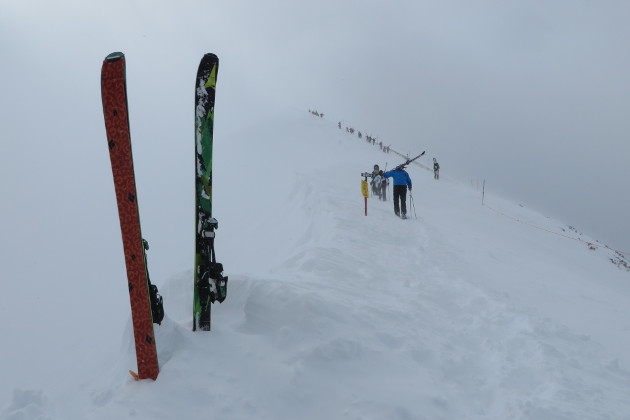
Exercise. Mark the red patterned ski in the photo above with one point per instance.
(114, 95)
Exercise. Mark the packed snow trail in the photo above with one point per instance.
(460, 314)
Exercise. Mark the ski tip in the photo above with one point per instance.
(135, 375)
(115, 56)
(209, 59)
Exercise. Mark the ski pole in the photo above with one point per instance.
(413, 205)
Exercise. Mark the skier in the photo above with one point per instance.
(375, 186)
(436, 169)
(401, 182)
(383, 186)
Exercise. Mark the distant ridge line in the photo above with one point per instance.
(360, 136)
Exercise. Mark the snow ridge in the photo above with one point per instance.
(460, 314)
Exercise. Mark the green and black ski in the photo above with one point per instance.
(209, 283)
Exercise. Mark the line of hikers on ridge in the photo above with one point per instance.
(401, 181)
(368, 138)
(372, 140)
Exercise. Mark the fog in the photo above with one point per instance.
(529, 96)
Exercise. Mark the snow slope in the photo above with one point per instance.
(462, 313)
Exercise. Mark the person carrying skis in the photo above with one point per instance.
(436, 169)
(401, 183)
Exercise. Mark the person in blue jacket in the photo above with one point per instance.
(401, 183)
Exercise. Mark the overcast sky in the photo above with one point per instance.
(531, 96)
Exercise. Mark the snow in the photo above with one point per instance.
(462, 313)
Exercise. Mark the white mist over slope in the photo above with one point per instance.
(460, 314)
